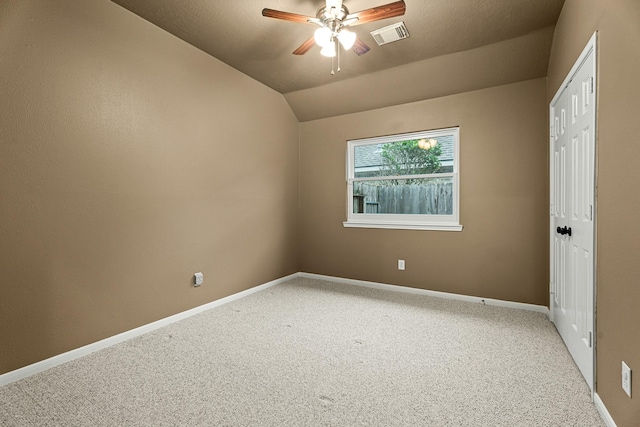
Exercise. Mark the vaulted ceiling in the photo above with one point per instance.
(454, 46)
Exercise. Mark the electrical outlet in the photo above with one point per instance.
(626, 379)
(400, 264)
(199, 279)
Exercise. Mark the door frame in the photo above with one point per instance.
(590, 48)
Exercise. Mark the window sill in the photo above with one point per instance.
(402, 226)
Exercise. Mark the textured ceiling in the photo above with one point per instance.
(236, 33)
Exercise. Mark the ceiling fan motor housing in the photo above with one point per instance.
(326, 15)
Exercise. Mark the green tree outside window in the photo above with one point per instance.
(411, 157)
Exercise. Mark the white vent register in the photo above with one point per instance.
(390, 33)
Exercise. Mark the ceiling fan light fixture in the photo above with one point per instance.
(329, 50)
(333, 19)
(322, 36)
(347, 38)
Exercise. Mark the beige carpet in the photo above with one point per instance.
(315, 353)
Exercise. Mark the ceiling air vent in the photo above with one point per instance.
(390, 33)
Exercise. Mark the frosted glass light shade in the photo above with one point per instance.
(322, 36)
(347, 39)
(329, 50)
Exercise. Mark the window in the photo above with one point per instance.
(405, 181)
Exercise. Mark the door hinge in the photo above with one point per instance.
(591, 85)
(590, 212)
(590, 339)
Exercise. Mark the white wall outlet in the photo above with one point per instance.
(626, 379)
(199, 278)
(400, 264)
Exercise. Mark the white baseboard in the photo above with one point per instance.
(488, 301)
(43, 365)
(604, 413)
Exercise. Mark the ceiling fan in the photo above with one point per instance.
(333, 20)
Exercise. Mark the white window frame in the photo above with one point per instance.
(405, 221)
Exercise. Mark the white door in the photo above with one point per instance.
(572, 211)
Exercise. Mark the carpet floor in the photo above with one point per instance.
(317, 353)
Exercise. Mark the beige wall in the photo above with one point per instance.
(618, 202)
(502, 251)
(128, 161)
(509, 61)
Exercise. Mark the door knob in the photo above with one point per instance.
(564, 230)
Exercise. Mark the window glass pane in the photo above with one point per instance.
(404, 181)
(426, 196)
(410, 157)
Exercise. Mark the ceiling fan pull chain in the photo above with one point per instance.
(338, 53)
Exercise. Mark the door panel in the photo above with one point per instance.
(572, 226)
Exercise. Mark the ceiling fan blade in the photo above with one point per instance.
(305, 47)
(360, 47)
(288, 16)
(377, 13)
